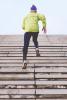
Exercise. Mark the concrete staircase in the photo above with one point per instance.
(45, 77)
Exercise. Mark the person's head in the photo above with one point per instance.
(33, 8)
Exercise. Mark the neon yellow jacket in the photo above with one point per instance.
(30, 22)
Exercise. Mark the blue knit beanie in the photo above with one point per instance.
(34, 8)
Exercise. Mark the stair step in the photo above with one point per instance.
(32, 91)
(31, 76)
(31, 65)
(34, 58)
(31, 70)
(32, 49)
(26, 82)
(45, 77)
(51, 76)
(31, 55)
(35, 61)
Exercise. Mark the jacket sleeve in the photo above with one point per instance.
(23, 24)
(43, 19)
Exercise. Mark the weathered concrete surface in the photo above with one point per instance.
(43, 39)
(45, 77)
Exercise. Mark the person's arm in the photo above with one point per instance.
(23, 24)
(43, 19)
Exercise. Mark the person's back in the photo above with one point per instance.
(30, 22)
(31, 27)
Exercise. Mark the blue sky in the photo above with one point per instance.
(13, 11)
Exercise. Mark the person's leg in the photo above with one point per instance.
(35, 36)
(26, 44)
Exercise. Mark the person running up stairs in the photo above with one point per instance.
(31, 27)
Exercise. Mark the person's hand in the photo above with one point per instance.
(44, 29)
